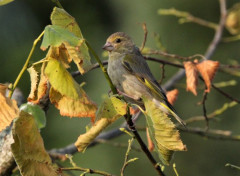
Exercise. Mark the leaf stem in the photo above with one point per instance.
(104, 70)
(25, 66)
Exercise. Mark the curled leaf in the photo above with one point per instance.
(208, 69)
(8, 108)
(191, 76)
(172, 96)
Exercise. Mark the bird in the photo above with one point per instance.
(131, 75)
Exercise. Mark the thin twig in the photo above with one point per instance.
(86, 170)
(25, 66)
(232, 166)
(144, 26)
(162, 74)
(205, 109)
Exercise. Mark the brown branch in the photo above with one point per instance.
(85, 170)
(205, 109)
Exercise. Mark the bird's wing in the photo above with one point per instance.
(137, 65)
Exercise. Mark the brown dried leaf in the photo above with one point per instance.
(207, 69)
(172, 96)
(82, 107)
(150, 142)
(8, 109)
(191, 76)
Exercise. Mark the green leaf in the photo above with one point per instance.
(56, 35)
(111, 108)
(4, 2)
(61, 18)
(36, 112)
(61, 80)
(163, 132)
(28, 148)
(80, 55)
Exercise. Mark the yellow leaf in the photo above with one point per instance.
(61, 80)
(208, 69)
(8, 108)
(28, 148)
(87, 138)
(82, 107)
(163, 132)
(38, 83)
(109, 111)
(191, 76)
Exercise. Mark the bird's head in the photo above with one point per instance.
(119, 42)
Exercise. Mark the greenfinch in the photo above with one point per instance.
(131, 75)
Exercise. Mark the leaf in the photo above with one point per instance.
(4, 2)
(61, 18)
(191, 76)
(28, 148)
(36, 112)
(56, 35)
(172, 96)
(38, 83)
(8, 108)
(111, 108)
(61, 80)
(150, 142)
(82, 107)
(208, 69)
(87, 138)
(163, 132)
(79, 54)
(109, 111)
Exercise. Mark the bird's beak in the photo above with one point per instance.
(108, 46)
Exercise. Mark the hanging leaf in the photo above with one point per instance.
(81, 107)
(172, 96)
(79, 54)
(191, 76)
(150, 142)
(38, 83)
(8, 108)
(61, 80)
(36, 112)
(28, 148)
(109, 111)
(56, 35)
(208, 69)
(163, 132)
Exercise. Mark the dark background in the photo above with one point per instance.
(22, 21)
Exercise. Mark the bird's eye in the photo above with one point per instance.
(118, 40)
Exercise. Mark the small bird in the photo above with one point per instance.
(131, 75)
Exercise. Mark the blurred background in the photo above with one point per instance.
(23, 20)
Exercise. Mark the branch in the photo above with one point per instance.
(145, 35)
(85, 170)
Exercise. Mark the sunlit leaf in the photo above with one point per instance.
(82, 107)
(61, 80)
(38, 83)
(87, 138)
(8, 108)
(28, 148)
(4, 2)
(111, 108)
(36, 112)
(109, 111)
(61, 18)
(191, 76)
(163, 132)
(172, 96)
(56, 35)
(208, 69)
(79, 54)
